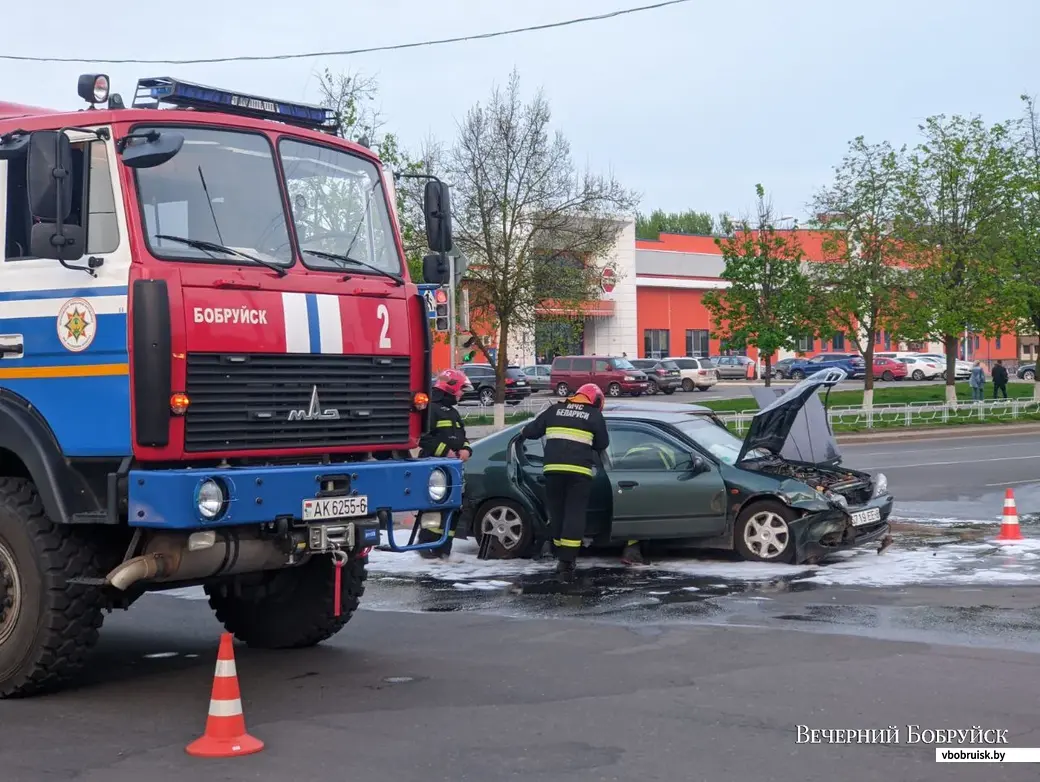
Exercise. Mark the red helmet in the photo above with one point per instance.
(451, 381)
(593, 393)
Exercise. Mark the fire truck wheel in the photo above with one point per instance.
(47, 625)
(291, 608)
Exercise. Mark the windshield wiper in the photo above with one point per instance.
(346, 259)
(202, 244)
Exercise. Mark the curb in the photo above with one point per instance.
(941, 432)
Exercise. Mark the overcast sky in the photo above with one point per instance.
(690, 105)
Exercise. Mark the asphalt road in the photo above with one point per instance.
(466, 696)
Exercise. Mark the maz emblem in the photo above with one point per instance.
(314, 411)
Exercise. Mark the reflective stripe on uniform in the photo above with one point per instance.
(445, 424)
(567, 543)
(440, 449)
(440, 531)
(567, 433)
(631, 542)
(568, 468)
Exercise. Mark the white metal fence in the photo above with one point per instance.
(879, 416)
(914, 414)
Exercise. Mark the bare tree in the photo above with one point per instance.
(533, 227)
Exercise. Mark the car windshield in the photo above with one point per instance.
(220, 189)
(622, 363)
(338, 208)
(717, 441)
(707, 363)
(669, 365)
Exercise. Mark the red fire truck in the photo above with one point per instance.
(214, 369)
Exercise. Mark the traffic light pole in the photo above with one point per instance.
(452, 319)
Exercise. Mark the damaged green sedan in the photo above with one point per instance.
(675, 475)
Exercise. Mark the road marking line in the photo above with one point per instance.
(1013, 483)
(969, 461)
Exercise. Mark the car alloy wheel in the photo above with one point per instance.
(763, 534)
(651, 388)
(1029, 376)
(798, 375)
(918, 375)
(509, 527)
(487, 396)
(614, 389)
(687, 384)
(561, 389)
(887, 376)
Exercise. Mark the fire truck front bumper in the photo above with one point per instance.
(365, 494)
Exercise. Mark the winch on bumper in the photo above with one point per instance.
(825, 531)
(335, 502)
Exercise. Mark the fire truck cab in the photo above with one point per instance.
(214, 369)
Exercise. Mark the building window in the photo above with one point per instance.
(655, 343)
(998, 343)
(888, 341)
(805, 344)
(697, 345)
(838, 343)
(877, 337)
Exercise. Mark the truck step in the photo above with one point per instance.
(88, 581)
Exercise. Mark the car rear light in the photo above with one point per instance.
(509, 381)
(662, 371)
(701, 372)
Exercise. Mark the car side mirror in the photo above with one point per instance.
(437, 211)
(49, 176)
(695, 465)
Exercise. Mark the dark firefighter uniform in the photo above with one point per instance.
(575, 436)
(447, 434)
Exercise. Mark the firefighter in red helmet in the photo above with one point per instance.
(446, 437)
(575, 435)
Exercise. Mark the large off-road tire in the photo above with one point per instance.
(291, 608)
(47, 625)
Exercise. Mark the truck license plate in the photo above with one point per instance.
(337, 508)
(866, 517)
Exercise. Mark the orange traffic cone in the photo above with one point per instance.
(1009, 523)
(225, 735)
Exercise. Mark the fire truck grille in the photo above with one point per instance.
(242, 402)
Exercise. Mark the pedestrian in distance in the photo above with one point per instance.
(977, 381)
(576, 436)
(446, 437)
(1000, 379)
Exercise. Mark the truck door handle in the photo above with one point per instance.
(627, 484)
(12, 345)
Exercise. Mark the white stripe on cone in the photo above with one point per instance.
(225, 669)
(225, 708)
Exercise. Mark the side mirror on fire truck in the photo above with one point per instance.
(435, 269)
(437, 209)
(49, 185)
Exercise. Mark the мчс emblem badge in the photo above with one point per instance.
(77, 325)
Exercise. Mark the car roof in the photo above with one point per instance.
(662, 412)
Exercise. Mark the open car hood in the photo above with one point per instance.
(793, 424)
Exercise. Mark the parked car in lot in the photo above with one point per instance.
(888, 369)
(782, 368)
(851, 364)
(676, 475)
(615, 376)
(1027, 372)
(922, 368)
(697, 373)
(962, 369)
(482, 380)
(538, 376)
(734, 367)
(662, 375)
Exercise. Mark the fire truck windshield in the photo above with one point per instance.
(339, 209)
(220, 189)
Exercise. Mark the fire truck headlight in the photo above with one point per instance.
(438, 485)
(211, 499)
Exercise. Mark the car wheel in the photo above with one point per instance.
(509, 527)
(945, 375)
(918, 375)
(763, 533)
(614, 390)
(651, 388)
(561, 389)
(798, 375)
(687, 385)
(703, 388)
(637, 393)
(1029, 376)
(669, 391)
(487, 396)
(886, 376)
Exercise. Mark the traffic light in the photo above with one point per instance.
(441, 322)
(471, 350)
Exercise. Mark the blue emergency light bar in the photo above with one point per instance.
(151, 93)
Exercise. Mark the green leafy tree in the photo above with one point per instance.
(1025, 230)
(769, 303)
(658, 222)
(958, 196)
(864, 284)
(533, 227)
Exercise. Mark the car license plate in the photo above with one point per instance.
(866, 517)
(521, 383)
(336, 508)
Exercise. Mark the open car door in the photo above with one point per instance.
(660, 488)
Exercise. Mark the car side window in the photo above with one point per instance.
(533, 452)
(637, 449)
(583, 365)
(563, 365)
(602, 365)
